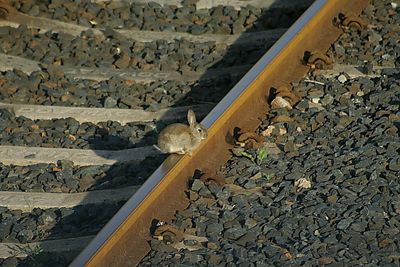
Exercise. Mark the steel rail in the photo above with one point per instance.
(123, 241)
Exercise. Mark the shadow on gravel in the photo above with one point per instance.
(80, 221)
(104, 140)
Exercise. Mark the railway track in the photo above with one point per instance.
(71, 183)
(81, 102)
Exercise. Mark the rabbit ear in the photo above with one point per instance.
(191, 118)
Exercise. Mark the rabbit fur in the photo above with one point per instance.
(180, 138)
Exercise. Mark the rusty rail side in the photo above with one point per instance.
(123, 241)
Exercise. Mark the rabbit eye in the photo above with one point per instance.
(199, 130)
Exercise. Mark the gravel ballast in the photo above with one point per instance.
(23, 227)
(48, 87)
(69, 133)
(67, 177)
(154, 17)
(113, 50)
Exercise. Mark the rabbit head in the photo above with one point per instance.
(198, 130)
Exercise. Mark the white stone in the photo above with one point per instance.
(268, 131)
(342, 79)
(280, 102)
(315, 100)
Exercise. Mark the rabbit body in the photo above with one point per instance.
(180, 138)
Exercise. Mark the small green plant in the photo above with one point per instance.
(261, 154)
(267, 176)
(257, 156)
(247, 155)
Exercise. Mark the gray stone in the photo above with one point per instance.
(10, 262)
(110, 102)
(344, 224)
(234, 232)
(25, 235)
(214, 229)
(197, 185)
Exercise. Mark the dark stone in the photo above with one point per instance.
(234, 232)
(10, 262)
(214, 229)
(25, 235)
(197, 185)
(248, 238)
(344, 224)
(5, 228)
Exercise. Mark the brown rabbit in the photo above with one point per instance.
(180, 138)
